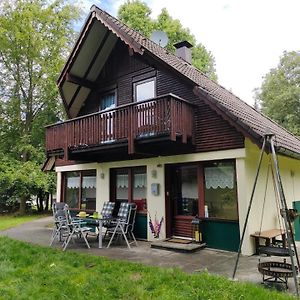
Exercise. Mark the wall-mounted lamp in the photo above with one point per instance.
(102, 175)
(153, 173)
(159, 165)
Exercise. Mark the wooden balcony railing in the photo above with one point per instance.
(164, 115)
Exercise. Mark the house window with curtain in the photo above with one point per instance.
(220, 190)
(80, 189)
(107, 101)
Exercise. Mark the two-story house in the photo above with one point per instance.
(145, 126)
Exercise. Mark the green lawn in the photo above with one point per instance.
(8, 221)
(33, 272)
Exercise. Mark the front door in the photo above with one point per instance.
(206, 189)
(182, 195)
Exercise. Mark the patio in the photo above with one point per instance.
(214, 261)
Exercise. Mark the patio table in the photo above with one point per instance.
(269, 236)
(98, 222)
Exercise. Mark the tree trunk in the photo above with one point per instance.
(46, 201)
(22, 210)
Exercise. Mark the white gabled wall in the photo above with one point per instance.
(265, 216)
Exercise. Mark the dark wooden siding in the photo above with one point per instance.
(119, 72)
(211, 131)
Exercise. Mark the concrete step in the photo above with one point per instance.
(179, 247)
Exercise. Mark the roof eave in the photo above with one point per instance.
(287, 152)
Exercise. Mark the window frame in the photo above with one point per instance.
(107, 92)
(64, 189)
(130, 171)
(140, 82)
(211, 164)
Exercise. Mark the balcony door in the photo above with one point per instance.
(107, 103)
(130, 185)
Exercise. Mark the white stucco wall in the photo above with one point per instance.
(246, 166)
(155, 174)
(268, 217)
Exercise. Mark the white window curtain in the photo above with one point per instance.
(73, 182)
(122, 181)
(140, 180)
(89, 182)
(219, 177)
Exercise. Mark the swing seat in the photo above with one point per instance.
(274, 251)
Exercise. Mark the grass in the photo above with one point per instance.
(8, 221)
(34, 272)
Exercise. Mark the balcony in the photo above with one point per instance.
(156, 123)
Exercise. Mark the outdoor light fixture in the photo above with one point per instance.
(154, 173)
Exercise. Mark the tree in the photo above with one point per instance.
(35, 38)
(136, 14)
(19, 179)
(279, 95)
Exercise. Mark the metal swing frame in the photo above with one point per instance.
(268, 146)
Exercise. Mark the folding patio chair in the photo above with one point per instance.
(123, 226)
(75, 227)
(60, 222)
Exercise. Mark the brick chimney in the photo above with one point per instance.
(183, 50)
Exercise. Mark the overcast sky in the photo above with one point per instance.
(246, 37)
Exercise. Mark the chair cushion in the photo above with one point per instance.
(123, 211)
(107, 209)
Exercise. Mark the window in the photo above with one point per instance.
(130, 186)
(80, 189)
(108, 101)
(144, 90)
(220, 191)
(187, 194)
(139, 189)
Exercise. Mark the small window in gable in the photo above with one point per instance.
(144, 90)
(108, 101)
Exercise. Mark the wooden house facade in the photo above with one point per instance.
(147, 127)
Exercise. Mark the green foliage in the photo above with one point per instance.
(44, 273)
(136, 14)
(279, 95)
(35, 39)
(22, 179)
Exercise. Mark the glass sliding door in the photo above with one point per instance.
(72, 188)
(88, 191)
(130, 185)
(80, 189)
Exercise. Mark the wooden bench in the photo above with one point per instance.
(269, 236)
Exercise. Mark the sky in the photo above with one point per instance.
(246, 37)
